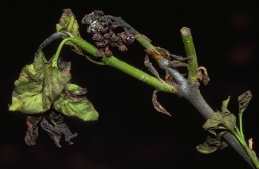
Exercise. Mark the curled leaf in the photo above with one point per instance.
(32, 130)
(56, 129)
(72, 102)
(243, 100)
(221, 120)
(211, 144)
(250, 143)
(204, 77)
(157, 105)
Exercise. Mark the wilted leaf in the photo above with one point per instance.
(250, 143)
(55, 131)
(205, 76)
(243, 100)
(38, 86)
(177, 63)
(68, 23)
(211, 145)
(221, 120)
(32, 129)
(157, 105)
(72, 103)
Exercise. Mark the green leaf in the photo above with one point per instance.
(211, 144)
(38, 86)
(72, 103)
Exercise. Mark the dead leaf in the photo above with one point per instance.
(157, 105)
(204, 77)
(250, 145)
(244, 99)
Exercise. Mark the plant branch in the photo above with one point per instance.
(187, 88)
(126, 68)
(190, 52)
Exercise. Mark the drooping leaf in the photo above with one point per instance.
(55, 126)
(203, 76)
(71, 102)
(32, 129)
(243, 101)
(38, 86)
(157, 105)
(211, 144)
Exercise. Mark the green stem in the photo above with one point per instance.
(55, 58)
(147, 45)
(247, 149)
(138, 74)
(240, 116)
(124, 67)
(144, 42)
(190, 52)
(239, 133)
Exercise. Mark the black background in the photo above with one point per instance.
(130, 133)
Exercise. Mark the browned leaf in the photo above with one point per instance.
(157, 105)
(250, 142)
(204, 77)
(177, 63)
(244, 99)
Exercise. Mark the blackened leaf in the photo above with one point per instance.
(32, 130)
(38, 86)
(157, 105)
(71, 102)
(243, 100)
(211, 144)
(55, 131)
